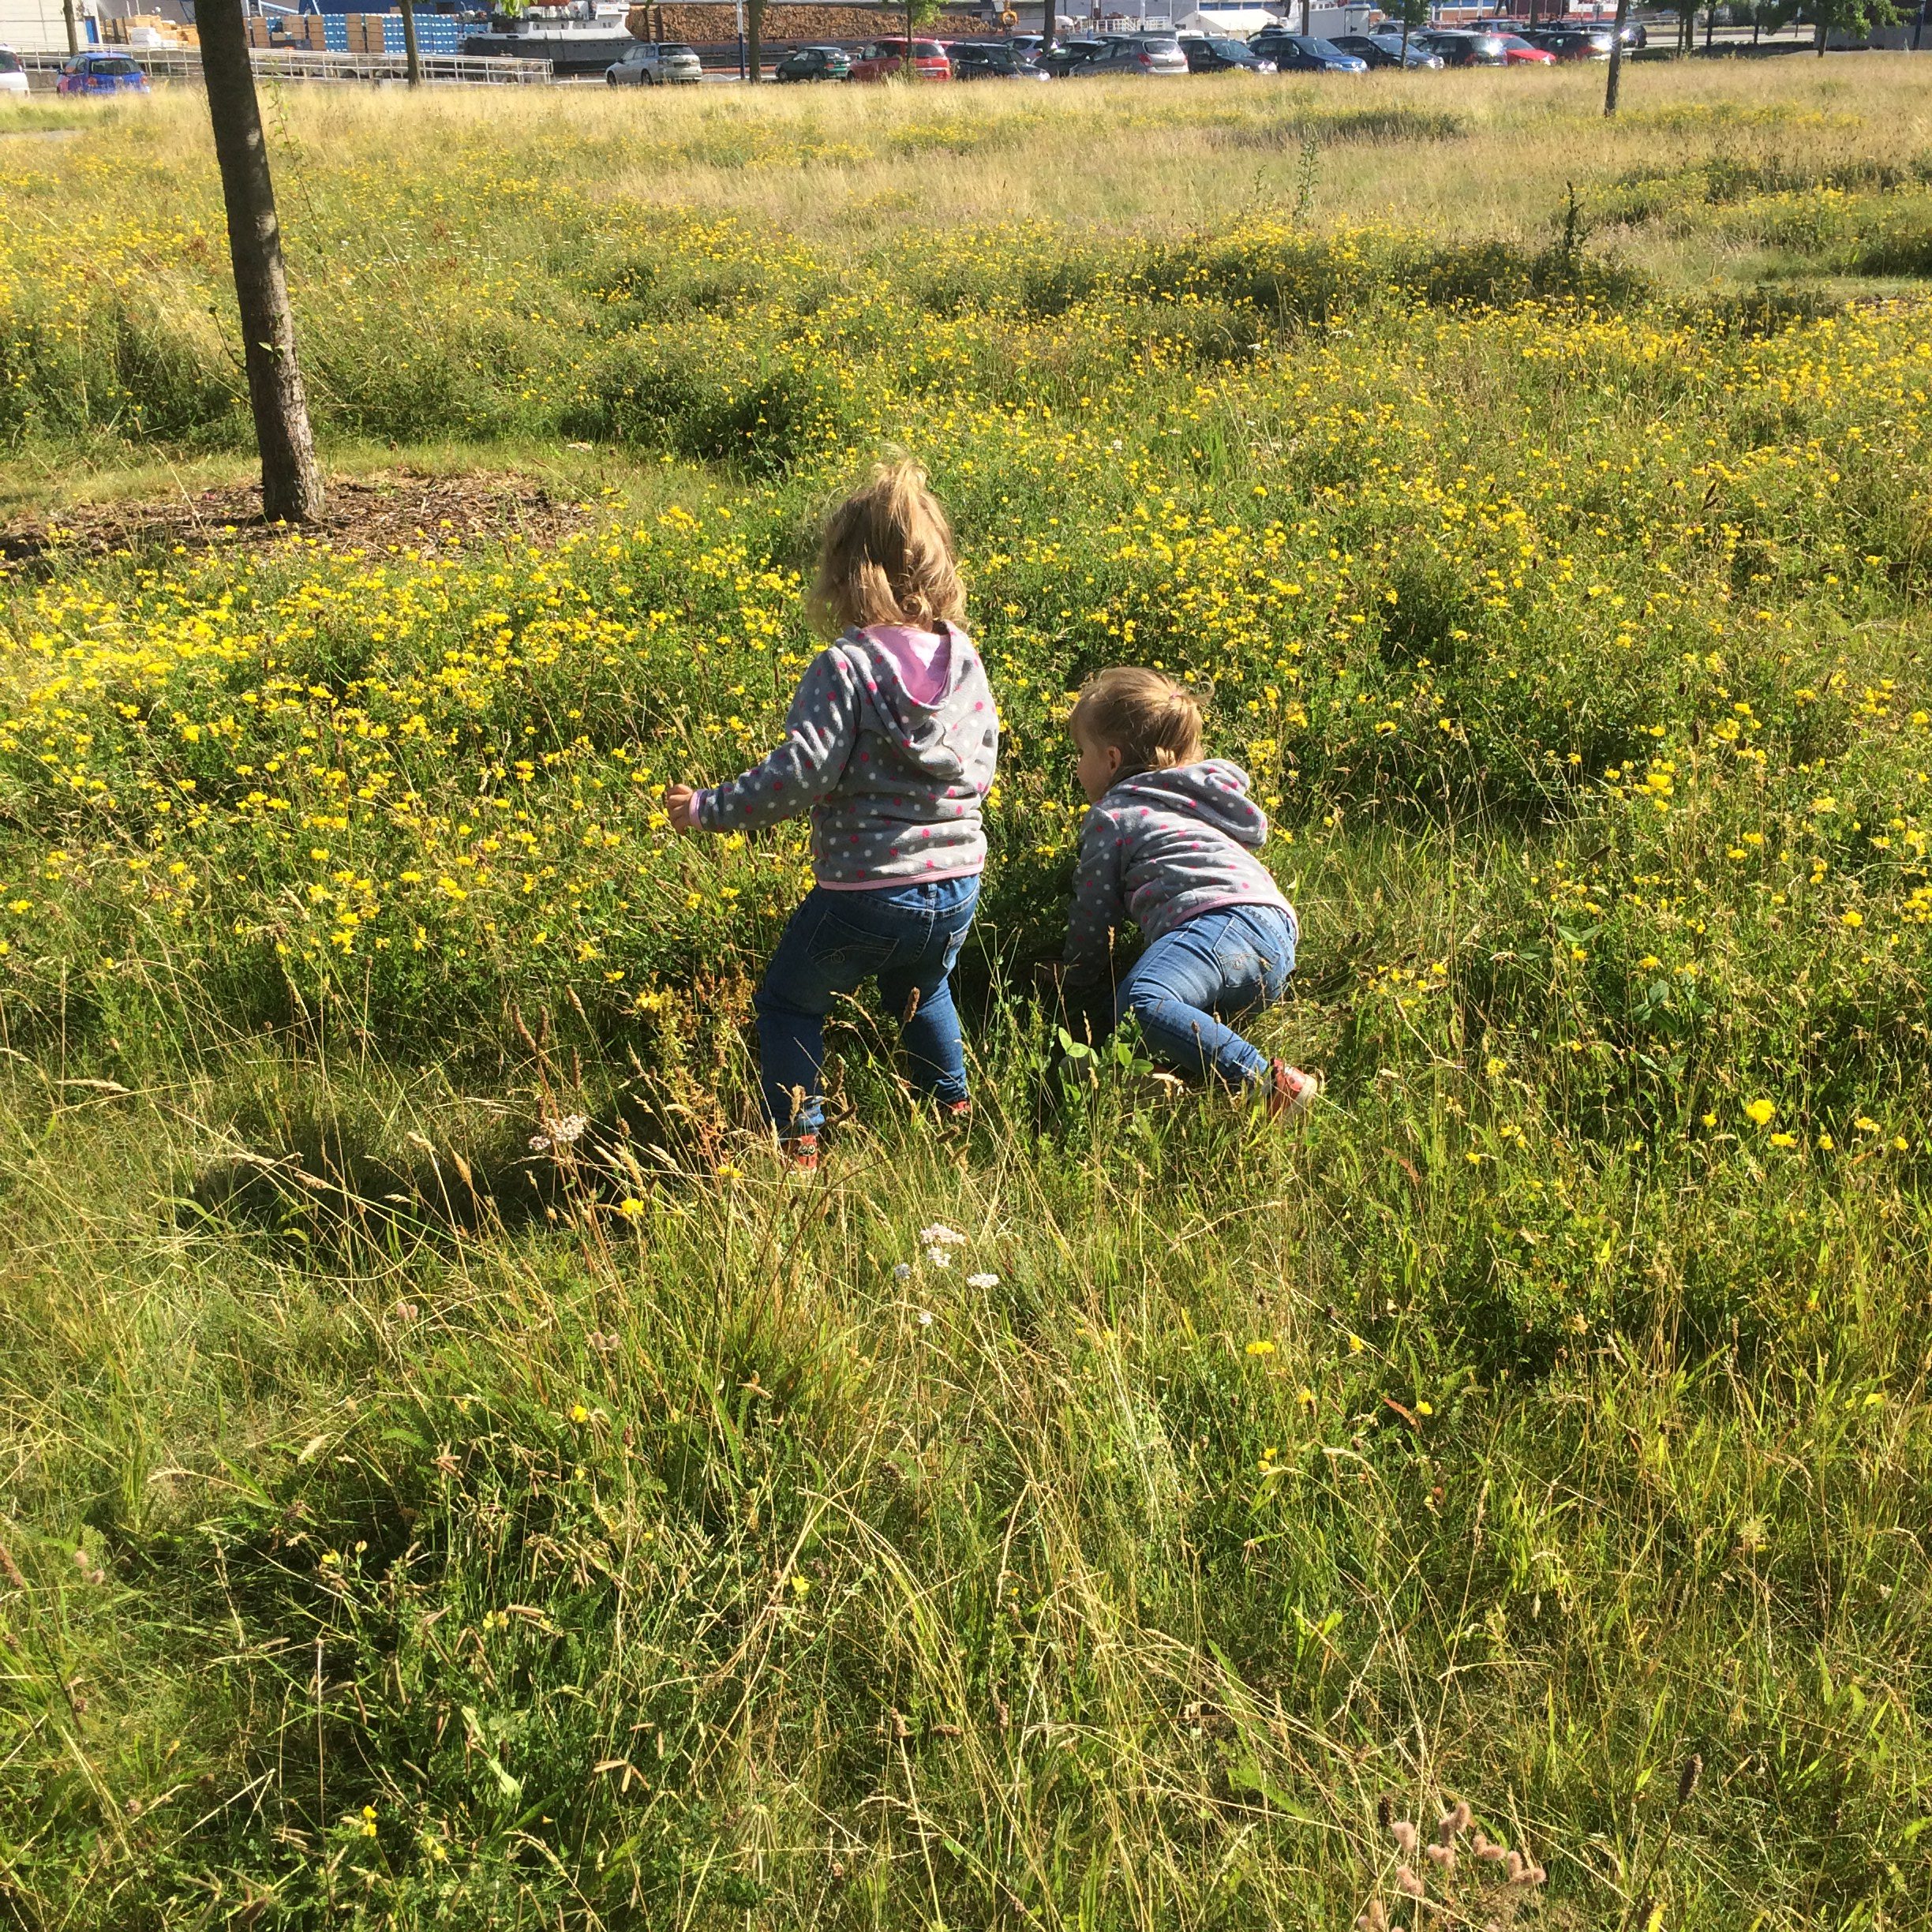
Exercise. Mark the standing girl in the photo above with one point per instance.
(890, 744)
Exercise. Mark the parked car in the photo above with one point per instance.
(12, 75)
(655, 63)
(101, 73)
(1064, 56)
(814, 63)
(1518, 52)
(1634, 33)
(1564, 44)
(1469, 50)
(1206, 54)
(1135, 54)
(1385, 51)
(1305, 53)
(993, 60)
(886, 60)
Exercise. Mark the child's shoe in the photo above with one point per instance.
(801, 1154)
(955, 1116)
(1290, 1092)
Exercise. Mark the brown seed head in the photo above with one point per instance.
(1688, 1778)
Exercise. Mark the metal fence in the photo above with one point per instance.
(274, 64)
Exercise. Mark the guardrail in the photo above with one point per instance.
(274, 64)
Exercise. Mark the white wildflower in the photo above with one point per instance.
(902, 1271)
(939, 1257)
(939, 1235)
(981, 1280)
(926, 1320)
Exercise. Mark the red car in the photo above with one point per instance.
(886, 60)
(1518, 52)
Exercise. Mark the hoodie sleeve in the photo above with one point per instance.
(1098, 908)
(820, 729)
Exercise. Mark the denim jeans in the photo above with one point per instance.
(908, 937)
(1215, 967)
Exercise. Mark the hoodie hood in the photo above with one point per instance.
(936, 740)
(1214, 790)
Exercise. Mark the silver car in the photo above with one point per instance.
(655, 63)
(1136, 54)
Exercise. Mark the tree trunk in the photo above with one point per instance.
(911, 72)
(411, 53)
(291, 480)
(754, 37)
(1404, 66)
(73, 30)
(1616, 60)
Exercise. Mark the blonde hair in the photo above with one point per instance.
(886, 556)
(1155, 721)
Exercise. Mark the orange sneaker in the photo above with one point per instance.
(801, 1153)
(1290, 1092)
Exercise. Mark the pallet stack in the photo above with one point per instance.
(366, 35)
(147, 30)
(286, 30)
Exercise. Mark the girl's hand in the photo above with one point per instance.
(681, 807)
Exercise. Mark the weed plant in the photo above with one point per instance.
(454, 1477)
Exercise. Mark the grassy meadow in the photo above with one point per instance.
(450, 1476)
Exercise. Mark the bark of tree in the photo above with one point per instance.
(755, 40)
(411, 52)
(291, 479)
(1616, 60)
(73, 30)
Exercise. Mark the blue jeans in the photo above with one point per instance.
(906, 936)
(1217, 967)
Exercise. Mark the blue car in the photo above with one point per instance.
(101, 73)
(1304, 53)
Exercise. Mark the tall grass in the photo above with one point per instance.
(454, 1476)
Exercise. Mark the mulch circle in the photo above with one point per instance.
(403, 511)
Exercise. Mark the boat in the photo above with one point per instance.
(581, 38)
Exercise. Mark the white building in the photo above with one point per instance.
(41, 26)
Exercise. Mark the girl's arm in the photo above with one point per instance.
(820, 729)
(1098, 907)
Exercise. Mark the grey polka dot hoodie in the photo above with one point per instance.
(894, 785)
(1160, 848)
